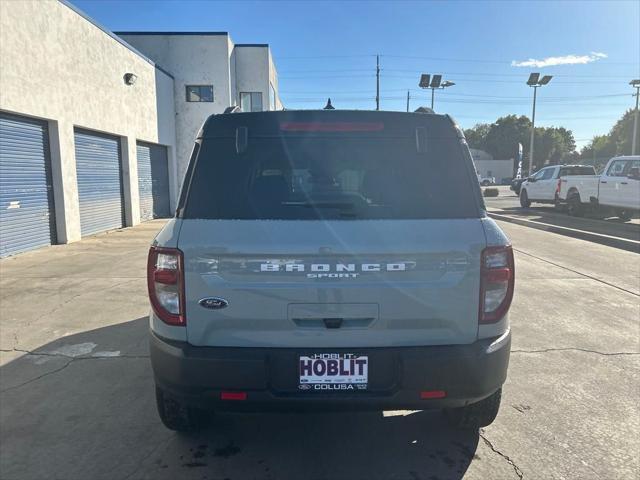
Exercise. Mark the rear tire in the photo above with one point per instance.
(476, 415)
(574, 205)
(624, 215)
(177, 416)
(524, 199)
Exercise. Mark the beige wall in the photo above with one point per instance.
(58, 66)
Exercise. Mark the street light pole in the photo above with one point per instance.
(635, 84)
(433, 83)
(533, 130)
(535, 81)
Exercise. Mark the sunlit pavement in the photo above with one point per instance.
(82, 407)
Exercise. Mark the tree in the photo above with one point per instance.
(477, 135)
(503, 136)
(622, 132)
(616, 142)
(500, 139)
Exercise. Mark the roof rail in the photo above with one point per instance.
(232, 109)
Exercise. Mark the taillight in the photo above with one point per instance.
(559, 185)
(165, 282)
(496, 283)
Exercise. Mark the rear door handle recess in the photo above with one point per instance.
(332, 322)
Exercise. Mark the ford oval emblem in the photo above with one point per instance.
(213, 303)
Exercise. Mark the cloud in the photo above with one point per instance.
(564, 60)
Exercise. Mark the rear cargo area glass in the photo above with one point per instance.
(331, 176)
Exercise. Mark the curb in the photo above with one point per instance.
(611, 241)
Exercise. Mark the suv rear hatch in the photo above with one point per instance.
(331, 229)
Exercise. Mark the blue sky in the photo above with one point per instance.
(324, 49)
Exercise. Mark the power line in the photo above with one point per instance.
(417, 72)
(418, 57)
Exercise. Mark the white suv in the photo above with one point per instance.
(330, 259)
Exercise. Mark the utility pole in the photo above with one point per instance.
(635, 84)
(408, 97)
(377, 82)
(433, 94)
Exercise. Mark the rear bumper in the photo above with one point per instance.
(269, 376)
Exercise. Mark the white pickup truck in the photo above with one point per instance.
(615, 192)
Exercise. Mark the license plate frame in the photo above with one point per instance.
(333, 372)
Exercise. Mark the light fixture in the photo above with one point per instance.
(533, 79)
(130, 78)
(546, 79)
(434, 82)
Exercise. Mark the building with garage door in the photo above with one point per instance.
(96, 129)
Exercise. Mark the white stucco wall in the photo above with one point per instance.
(193, 60)
(498, 168)
(58, 66)
(252, 71)
(273, 79)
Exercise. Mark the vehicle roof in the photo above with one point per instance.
(626, 157)
(373, 123)
(574, 165)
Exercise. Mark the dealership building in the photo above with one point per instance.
(96, 127)
(487, 166)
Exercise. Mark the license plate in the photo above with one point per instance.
(333, 371)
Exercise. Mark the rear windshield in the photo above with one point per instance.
(570, 171)
(306, 177)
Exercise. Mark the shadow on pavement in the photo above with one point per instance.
(83, 407)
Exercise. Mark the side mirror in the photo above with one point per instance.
(634, 173)
(531, 179)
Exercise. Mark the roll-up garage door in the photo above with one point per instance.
(26, 194)
(99, 182)
(153, 181)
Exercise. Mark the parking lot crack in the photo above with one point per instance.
(46, 374)
(96, 356)
(516, 469)
(576, 349)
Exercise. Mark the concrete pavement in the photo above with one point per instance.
(80, 404)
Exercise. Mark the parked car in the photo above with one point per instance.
(330, 259)
(516, 183)
(615, 192)
(544, 185)
(486, 181)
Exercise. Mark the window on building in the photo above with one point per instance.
(199, 93)
(272, 97)
(251, 101)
